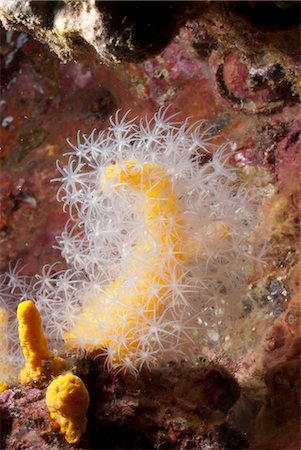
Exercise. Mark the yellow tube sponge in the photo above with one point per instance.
(39, 360)
(115, 318)
(68, 400)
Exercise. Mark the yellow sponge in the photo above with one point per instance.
(68, 400)
(39, 360)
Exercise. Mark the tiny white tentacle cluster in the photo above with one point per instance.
(189, 292)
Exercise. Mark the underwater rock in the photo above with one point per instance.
(260, 33)
(108, 31)
(25, 421)
(176, 406)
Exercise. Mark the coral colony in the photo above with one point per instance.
(159, 246)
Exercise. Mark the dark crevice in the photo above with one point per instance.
(269, 15)
(134, 28)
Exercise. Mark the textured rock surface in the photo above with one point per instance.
(174, 407)
(265, 34)
(133, 31)
(25, 421)
(105, 30)
(177, 406)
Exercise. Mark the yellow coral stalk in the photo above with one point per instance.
(156, 257)
(68, 400)
(34, 345)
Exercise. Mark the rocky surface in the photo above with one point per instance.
(264, 34)
(133, 31)
(109, 31)
(176, 406)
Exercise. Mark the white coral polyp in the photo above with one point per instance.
(219, 216)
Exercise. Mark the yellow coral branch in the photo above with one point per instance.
(68, 400)
(156, 257)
